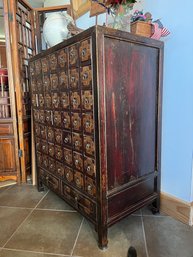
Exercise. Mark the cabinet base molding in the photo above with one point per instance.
(177, 208)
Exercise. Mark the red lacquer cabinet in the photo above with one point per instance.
(96, 101)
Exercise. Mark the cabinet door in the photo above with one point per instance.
(7, 156)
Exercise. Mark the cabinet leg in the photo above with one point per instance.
(102, 238)
(40, 186)
(155, 206)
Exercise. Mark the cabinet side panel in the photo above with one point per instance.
(131, 110)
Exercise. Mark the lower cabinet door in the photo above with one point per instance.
(7, 156)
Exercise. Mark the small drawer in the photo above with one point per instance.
(51, 134)
(89, 146)
(66, 120)
(77, 141)
(73, 55)
(74, 79)
(75, 100)
(43, 132)
(44, 147)
(55, 100)
(85, 50)
(62, 58)
(50, 181)
(32, 69)
(67, 139)
(46, 83)
(88, 123)
(38, 68)
(45, 161)
(34, 101)
(58, 136)
(45, 65)
(39, 159)
(79, 179)
(54, 81)
(42, 116)
(51, 150)
(38, 144)
(41, 100)
(48, 101)
(60, 169)
(86, 77)
(69, 176)
(89, 167)
(52, 165)
(37, 129)
(53, 62)
(57, 119)
(65, 100)
(63, 80)
(87, 100)
(36, 115)
(39, 84)
(90, 186)
(78, 161)
(58, 153)
(68, 156)
(48, 117)
(33, 85)
(76, 122)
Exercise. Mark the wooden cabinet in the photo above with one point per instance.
(97, 123)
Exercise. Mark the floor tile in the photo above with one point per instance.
(167, 237)
(121, 236)
(21, 196)
(12, 253)
(10, 219)
(52, 201)
(47, 231)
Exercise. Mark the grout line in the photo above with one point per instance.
(150, 215)
(41, 209)
(144, 236)
(24, 220)
(77, 237)
(15, 207)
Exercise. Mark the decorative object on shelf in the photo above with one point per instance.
(3, 76)
(159, 30)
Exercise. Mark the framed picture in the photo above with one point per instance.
(80, 7)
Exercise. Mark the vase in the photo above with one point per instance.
(121, 18)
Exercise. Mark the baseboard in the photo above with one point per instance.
(177, 208)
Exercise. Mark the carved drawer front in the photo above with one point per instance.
(90, 186)
(73, 55)
(86, 77)
(39, 84)
(69, 174)
(74, 79)
(76, 121)
(57, 119)
(42, 116)
(89, 146)
(79, 179)
(77, 141)
(34, 100)
(43, 132)
(58, 136)
(38, 144)
(75, 101)
(45, 65)
(48, 115)
(48, 101)
(67, 139)
(60, 169)
(52, 165)
(51, 150)
(66, 120)
(78, 161)
(88, 123)
(63, 80)
(46, 83)
(53, 62)
(32, 69)
(39, 159)
(51, 134)
(45, 161)
(58, 153)
(33, 85)
(37, 129)
(87, 100)
(44, 147)
(84, 50)
(68, 156)
(36, 115)
(55, 100)
(65, 100)
(88, 207)
(54, 81)
(41, 100)
(51, 181)
(62, 58)
(89, 167)
(38, 67)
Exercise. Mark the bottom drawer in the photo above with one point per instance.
(49, 180)
(80, 203)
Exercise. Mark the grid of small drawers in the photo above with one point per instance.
(62, 100)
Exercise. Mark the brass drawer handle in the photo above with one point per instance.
(76, 162)
(88, 146)
(66, 140)
(78, 181)
(83, 52)
(87, 124)
(65, 121)
(58, 138)
(89, 188)
(85, 76)
(72, 79)
(75, 122)
(47, 177)
(66, 158)
(76, 143)
(67, 175)
(43, 147)
(74, 101)
(51, 151)
(88, 169)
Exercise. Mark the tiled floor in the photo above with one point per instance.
(34, 224)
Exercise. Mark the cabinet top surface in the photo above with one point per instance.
(102, 30)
